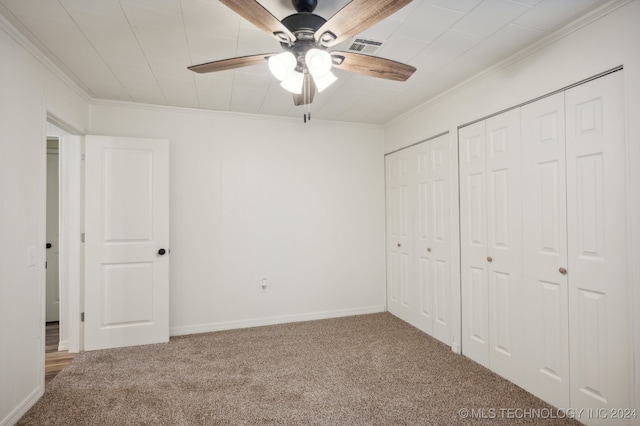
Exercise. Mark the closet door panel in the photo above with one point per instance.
(473, 243)
(504, 251)
(597, 245)
(392, 173)
(423, 318)
(440, 243)
(544, 250)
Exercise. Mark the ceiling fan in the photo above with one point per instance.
(305, 64)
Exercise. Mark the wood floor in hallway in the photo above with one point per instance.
(54, 360)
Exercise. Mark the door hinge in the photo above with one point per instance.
(82, 317)
(82, 237)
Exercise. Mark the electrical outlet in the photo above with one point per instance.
(264, 284)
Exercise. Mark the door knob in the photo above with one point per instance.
(399, 245)
(429, 249)
(563, 271)
(48, 245)
(161, 252)
(489, 259)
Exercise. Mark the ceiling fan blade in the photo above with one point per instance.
(372, 65)
(308, 92)
(228, 64)
(356, 17)
(255, 13)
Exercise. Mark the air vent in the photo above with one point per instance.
(362, 45)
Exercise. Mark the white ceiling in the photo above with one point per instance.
(139, 50)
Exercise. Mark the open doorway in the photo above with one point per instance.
(52, 308)
(62, 287)
(56, 355)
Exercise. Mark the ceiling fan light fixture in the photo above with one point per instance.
(282, 65)
(294, 82)
(318, 62)
(324, 81)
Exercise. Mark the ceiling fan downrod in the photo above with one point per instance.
(305, 6)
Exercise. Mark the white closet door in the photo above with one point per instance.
(598, 269)
(423, 238)
(473, 243)
(439, 247)
(544, 250)
(504, 244)
(431, 243)
(399, 238)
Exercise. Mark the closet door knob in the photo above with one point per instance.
(399, 245)
(489, 259)
(161, 252)
(429, 249)
(563, 271)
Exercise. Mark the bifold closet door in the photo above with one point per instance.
(399, 235)
(490, 230)
(598, 268)
(577, 336)
(504, 244)
(546, 336)
(473, 243)
(431, 238)
(418, 236)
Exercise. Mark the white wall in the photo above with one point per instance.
(585, 49)
(28, 90)
(251, 197)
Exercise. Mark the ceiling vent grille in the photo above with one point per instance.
(362, 45)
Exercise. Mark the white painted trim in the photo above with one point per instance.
(283, 319)
(23, 407)
(454, 269)
(63, 345)
(32, 49)
(70, 229)
(632, 135)
(224, 114)
(63, 125)
(555, 36)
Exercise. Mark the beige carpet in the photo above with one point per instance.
(363, 370)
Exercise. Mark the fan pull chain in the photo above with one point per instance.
(306, 95)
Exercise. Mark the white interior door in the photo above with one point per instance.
(545, 250)
(598, 268)
(126, 243)
(418, 237)
(432, 244)
(399, 240)
(423, 239)
(504, 244)
(473, 243)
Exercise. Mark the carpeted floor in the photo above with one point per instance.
(363, 370)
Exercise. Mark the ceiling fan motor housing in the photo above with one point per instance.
(307, 6)
(303, 25)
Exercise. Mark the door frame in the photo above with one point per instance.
(70, 229)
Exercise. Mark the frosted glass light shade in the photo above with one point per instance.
(318, 62)
(293, 83)
(324, 81)
(282, 65)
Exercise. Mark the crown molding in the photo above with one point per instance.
(224, 114)
(545, 41)
(19, 37)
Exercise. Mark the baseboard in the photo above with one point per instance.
(24, 406)
(258, 322)
(63, 345)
